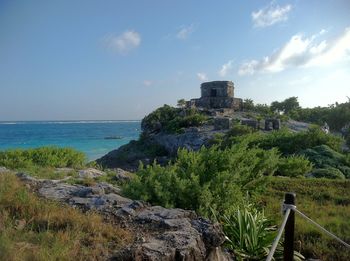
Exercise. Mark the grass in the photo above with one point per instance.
(33, 228)
(325, 201)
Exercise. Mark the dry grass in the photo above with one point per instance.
(32, 228)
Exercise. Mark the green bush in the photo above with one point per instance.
(250, 235)
(43, 157)
(293, 166)
(209, 178)
(348, 140)
(286, 141)
(345, 170)
(323, 156)
(328, 173)
(171, 119)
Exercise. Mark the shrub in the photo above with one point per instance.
(250, 234)
(289, 142)
(345, 170)
(293, 166)
(171, 119)
(323, 156)
(43, 157)
(328, 173)
(209, 178)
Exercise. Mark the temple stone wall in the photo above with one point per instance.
(217, 95)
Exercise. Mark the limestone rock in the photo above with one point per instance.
(90, 173)
(161, 233)
(64, 170)
(4, 170)
(122, 175)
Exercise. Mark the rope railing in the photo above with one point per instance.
(278, 237)
(289, 209)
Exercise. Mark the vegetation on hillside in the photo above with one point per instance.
(172, 120)
(337, 115)
(32, 228)
(214, 181)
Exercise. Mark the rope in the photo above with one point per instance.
(321, 228)
(279, 234)
(286, 208)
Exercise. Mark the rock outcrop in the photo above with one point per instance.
(161, 234)
(130, 155)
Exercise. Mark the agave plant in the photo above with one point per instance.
(250, 235)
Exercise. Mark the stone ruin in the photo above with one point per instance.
(217, 95)
(222, 123)
(272, 124)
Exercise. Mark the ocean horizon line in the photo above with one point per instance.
(64, 121)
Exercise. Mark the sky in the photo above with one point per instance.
(119, 60)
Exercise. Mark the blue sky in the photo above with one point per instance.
(72, 60)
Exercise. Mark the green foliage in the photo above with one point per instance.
(348, 140)
(248, 104)
(263, 109)
(181, 103)
(43, 157)
(286, 141)
(328, 173)
(250, 233)
(286, 106)
(210, 178)
(323, 157)
(294, 166)
(336, 115)
(171, 119)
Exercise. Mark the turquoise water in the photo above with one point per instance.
(86, 136)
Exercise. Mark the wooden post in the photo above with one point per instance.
(288, 253)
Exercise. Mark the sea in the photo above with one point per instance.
(94, 138)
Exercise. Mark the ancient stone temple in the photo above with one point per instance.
(217, 95)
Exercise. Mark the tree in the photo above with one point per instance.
(290, 104)
(248, 104)
(277, 106)
(181, 103)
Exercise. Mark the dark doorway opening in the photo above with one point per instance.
(213, 92)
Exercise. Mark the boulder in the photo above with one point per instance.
(90, 173)
(122, 175)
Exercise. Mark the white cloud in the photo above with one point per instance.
(226, 68)
(124, 42)
(185, 32)
(270, 15)
(147, 82)
(301, 51)
(202, 77)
